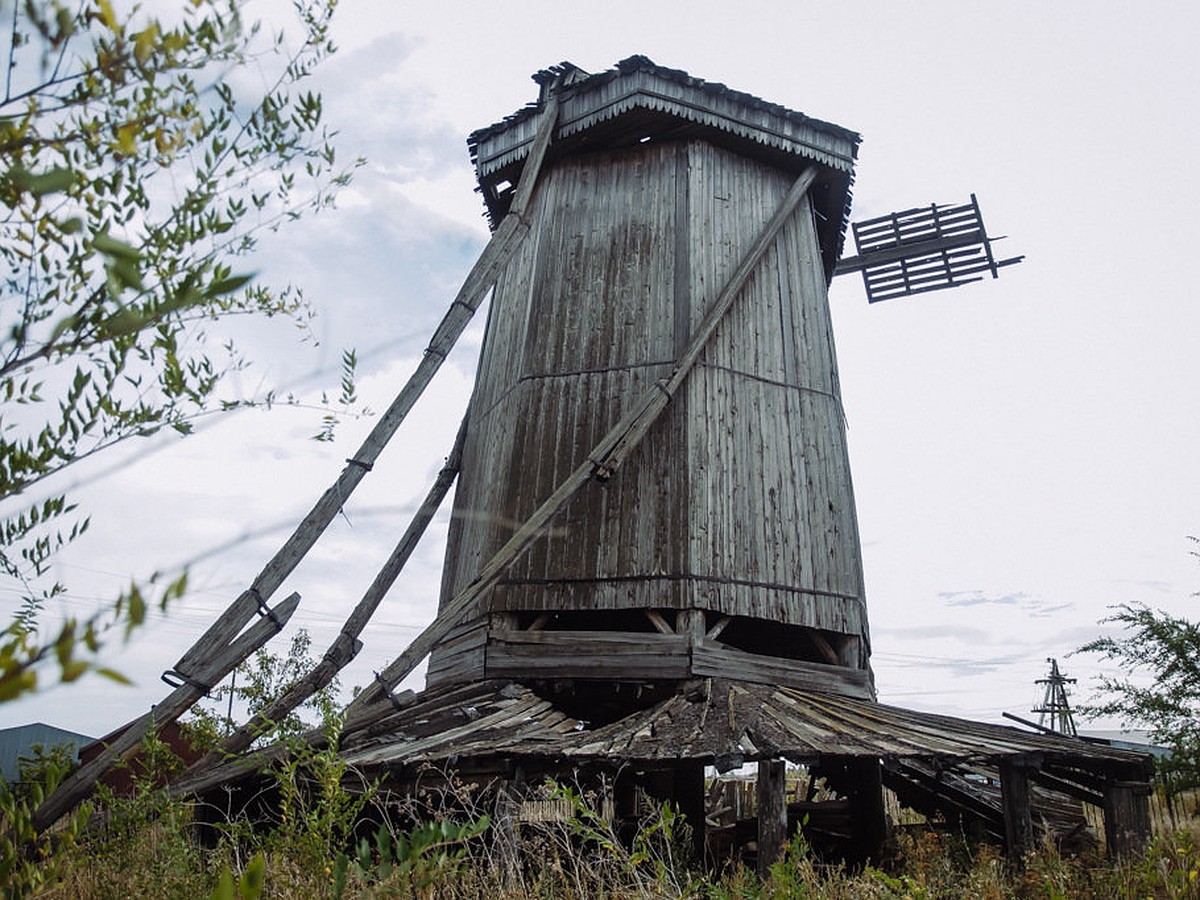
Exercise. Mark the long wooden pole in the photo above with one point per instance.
(602, 462)
(194, 667)
(79, 783)
(346, 645)
(507, 238)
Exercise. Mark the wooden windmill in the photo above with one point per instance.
(654, 561)
(729, 546)
(727, 542)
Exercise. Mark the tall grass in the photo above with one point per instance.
(455, 841)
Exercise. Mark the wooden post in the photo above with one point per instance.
(1126, 818)
(772, 813)
(505, 837)
(860, 780)
(625, 804)
(690, 798)
(1014, 798)
(691, 623)
(850, 652)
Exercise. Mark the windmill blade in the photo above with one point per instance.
(928, 248)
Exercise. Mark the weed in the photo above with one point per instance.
(451, 838)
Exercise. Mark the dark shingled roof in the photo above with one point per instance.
(638, 100)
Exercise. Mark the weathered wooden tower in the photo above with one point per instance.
(653, 565)
(728, 543)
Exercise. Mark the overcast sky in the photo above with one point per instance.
(1023, 450)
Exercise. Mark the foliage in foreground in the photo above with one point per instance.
(140, 162)
(448, 844)
(1158, 658)
(255, 685)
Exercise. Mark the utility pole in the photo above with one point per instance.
(1054, 702)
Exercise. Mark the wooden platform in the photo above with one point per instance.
(710, 718)
(509, 731)
(500, 724)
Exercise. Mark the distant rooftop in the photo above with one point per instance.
(1127, 740)
(19, 741)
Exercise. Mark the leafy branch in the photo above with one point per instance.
(138, 170)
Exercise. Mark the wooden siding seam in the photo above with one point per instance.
(669, 576)
(761, 379)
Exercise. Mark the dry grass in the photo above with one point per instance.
(148, 850)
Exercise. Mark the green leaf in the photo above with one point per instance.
(51, 182)
(14, 683)
(225, 888)
(137, 610)
(63, 325)
(73, 669)
(229, 285)
(113, 675)
(107, 14)
(126, 273)
(123, 321)
(250, 885)
(144, 42)
(111, 246)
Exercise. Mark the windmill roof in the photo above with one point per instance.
(638, 100)
(638, 83)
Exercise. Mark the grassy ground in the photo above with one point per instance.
(147, 849)
(306, 839)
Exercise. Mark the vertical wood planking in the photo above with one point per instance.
(740, 492)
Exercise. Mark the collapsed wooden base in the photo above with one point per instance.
(658, 739)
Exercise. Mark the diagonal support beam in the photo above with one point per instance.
(346, 645)
(221, 638)
(606, 457)
(79, 783)
(483, 275)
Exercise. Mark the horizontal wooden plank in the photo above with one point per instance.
(839, 613)
(595, 641)
(530, 662)
(891, 231)
(941, 286)
(928, 274)
(925, 273)
(918, 213)
(588, 654)
(718, 660)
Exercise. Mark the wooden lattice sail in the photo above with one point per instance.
(727, 544)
